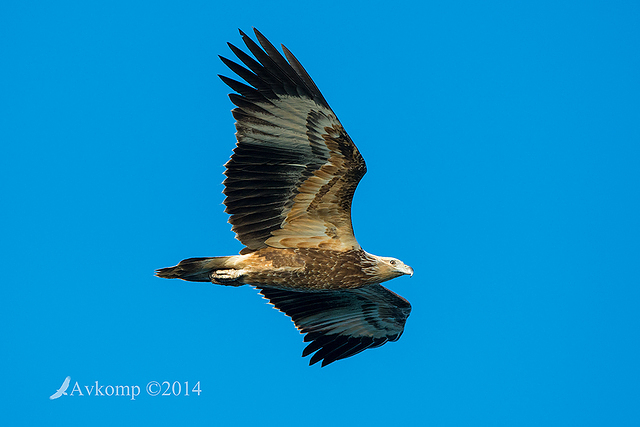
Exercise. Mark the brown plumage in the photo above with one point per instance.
(289, 187)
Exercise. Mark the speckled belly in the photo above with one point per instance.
(309, 269)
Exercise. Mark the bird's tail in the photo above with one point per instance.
(195, 269)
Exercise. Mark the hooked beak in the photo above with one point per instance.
(408, 271)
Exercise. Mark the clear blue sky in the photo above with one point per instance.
(503, 147)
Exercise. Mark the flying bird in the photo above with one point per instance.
(289, 186)
(62, 390)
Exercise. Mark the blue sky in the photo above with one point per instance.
(502, 142)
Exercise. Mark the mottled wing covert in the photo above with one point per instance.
(291, 179)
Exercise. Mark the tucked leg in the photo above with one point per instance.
(227, 277)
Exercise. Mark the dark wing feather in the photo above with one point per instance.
(291, 179)
(340, 324)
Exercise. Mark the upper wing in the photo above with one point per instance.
(341, 324)
(294, 170)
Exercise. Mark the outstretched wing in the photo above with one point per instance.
(294, 170)
(340, 324)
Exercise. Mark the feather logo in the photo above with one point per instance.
(62, 390)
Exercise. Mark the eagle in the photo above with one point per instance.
(289, 186)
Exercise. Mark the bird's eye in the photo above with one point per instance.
(393, 262)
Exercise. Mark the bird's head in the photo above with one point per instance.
(390, 268)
